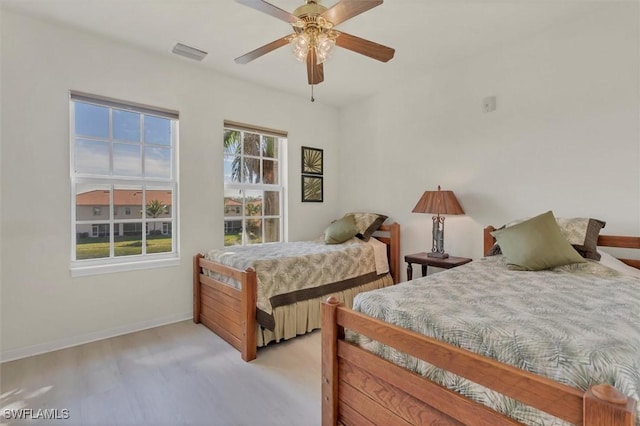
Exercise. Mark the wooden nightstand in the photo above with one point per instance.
(424, 260)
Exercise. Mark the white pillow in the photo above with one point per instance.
(617, 265)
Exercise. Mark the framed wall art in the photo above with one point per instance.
(312, 190)
(312, 179)
(312, 161)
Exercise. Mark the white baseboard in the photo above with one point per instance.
(68, 342)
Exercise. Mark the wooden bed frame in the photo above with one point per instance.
(361, 388)
(231, 312)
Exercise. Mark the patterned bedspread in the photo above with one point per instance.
(579, 327)
(287, 272)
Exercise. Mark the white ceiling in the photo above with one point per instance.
(425, 34)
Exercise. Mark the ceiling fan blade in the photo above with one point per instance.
(347, 9)
(270, 9)
(365, 47)
(315, 72)
(254, 54)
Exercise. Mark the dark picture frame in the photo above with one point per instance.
(312, 189)
(312, 161)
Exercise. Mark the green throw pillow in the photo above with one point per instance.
(536, 244)
(340, 231)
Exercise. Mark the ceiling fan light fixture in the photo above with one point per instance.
(300, 46)
(324, 47)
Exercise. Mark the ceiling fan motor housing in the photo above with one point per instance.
(309, 13)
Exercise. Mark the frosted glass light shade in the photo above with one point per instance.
(324, 48)
(300, 46)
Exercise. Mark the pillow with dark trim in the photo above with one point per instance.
(536, 244)
(340, 230)
(582, 233)
(367, 223)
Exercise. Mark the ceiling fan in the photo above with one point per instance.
(314, 34)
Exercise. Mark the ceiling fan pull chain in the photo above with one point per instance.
(312, 98)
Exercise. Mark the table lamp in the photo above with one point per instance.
(438, 202)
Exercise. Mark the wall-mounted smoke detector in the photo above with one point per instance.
(189, 52)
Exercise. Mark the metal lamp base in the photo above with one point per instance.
(438, 255)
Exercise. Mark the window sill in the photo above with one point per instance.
(79, 269)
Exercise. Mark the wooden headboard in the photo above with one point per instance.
(603, 241)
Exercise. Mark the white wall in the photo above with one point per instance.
(42, 306)
(565, 135)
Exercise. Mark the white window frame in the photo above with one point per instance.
(132, 262)
(243, 186)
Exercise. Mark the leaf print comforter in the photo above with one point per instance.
(293, 268)
(579, 327)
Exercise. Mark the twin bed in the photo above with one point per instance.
(253, 295)
(485, 345)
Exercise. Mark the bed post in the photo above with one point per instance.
(604, 405)
(488, 239)
(394, 256)
(196, 287)
(330, 335)
(248, 316)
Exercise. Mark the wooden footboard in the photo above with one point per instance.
(229, 312)
(359, 387)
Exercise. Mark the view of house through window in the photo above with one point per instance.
(123, 182)
(253, 188)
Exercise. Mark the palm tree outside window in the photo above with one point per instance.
(253, 185)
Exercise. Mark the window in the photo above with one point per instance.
(123, 159)
(253, 185)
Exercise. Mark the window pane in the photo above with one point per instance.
(92, 241)
(254, 231)
(129, 243)
(131, 229)
(270, 146)
(92, 202)
(91, 120)
(91, 157)
(232, 142)
(157, 130)
(158, 204)
(271, 230)
(232, 232)
(157, 162)
(271, 203)
(232, 205)
(252, 144)
(127, 160)
(251, 172)
(128, 199)
(253, 203)
(269, 171)
(232, 168)
(126, 125)
(159, 239)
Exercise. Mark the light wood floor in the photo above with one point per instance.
(179, 374)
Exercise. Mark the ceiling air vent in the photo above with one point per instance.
(189, 52)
